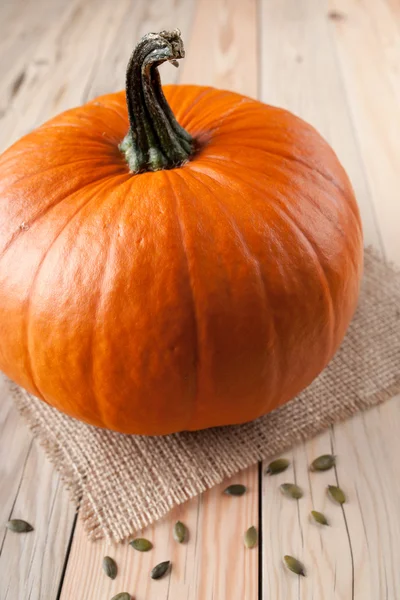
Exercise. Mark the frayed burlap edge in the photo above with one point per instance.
(124, 483)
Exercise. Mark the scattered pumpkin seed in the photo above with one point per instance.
(291, 490)
(319, 517)
(179, 532)
(19, 526)
(336, 494)
(277, 466)
(160, 570)
(251, 537)
(141, 544)
(294, 565)
(323, 463)
(237, 489)
(122, 596)
(110, 567)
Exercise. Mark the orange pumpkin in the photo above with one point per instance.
(188, 276)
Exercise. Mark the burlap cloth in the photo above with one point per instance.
(124, 483)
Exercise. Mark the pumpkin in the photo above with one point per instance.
(173, 259)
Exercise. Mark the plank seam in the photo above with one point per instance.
(17, 492)
(344, 518)
(67, 555)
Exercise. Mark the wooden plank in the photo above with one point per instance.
(213, 563)
(300, 72)
(22, 26)
(14, 451)
(61, 68)
(82, 54)
(29, 79)
(29, 488)
(222, 50)
(298, 47)
(368, 43)
(30, 564)
(356, 556)
(370, 472)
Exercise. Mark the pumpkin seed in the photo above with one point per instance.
(237, 489)
(110, 567)
(122, 596)
(294, 565)
(336, 494)
(319, 517)
(277, 466)
(323, 463)
(291, 490)
(179, 532)
(160, 570)
(251, 537)
(141, 544)
(19, 526)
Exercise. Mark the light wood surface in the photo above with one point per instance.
(212, 563)
(355, 556)
(336, 63)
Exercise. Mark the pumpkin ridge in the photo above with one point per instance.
(314, 253)
(45, 210)
(277, 205)
(26, 178)
(309, 199)
(123, 117)
(102, 410)
(254, 260)
(219, 93)
(27, 304)
(295, 159)
(285, 216)
(186, 115)
(224, 116)
(313, 170)
(197, 353)
(56, 124)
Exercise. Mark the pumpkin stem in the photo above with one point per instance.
(155, 139)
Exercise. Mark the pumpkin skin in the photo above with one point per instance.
(181, 299)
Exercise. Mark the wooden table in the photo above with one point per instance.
(336, 63)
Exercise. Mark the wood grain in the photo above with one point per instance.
(223, 48)
(48, 69)
(30, 564)
(83, 54)
(18, 39)
(30, 488)
(355, 556)
(301, 71)
(213, 563)
(367, 39)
